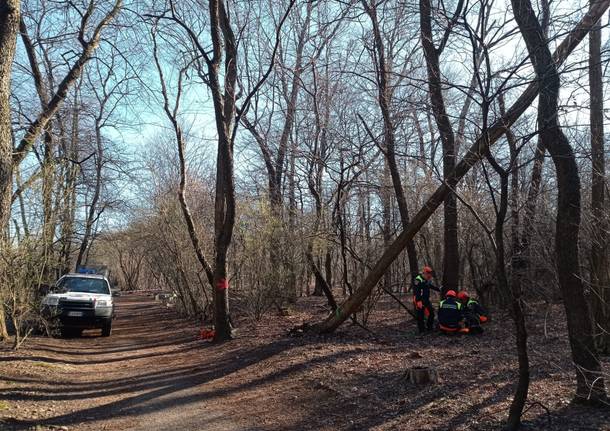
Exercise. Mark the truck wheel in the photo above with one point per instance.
(66, 332)
(107, 329)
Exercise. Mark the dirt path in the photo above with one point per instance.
(151, 374)
(154, 374)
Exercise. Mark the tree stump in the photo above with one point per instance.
(423, 375)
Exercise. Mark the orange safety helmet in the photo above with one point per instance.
(463, 295)
(450, 293)
(427, 270)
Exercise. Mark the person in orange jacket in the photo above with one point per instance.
(451, 315)
(472, 307)
(422, 283)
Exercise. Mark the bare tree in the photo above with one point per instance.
(222, 84)
(383, 66)
(275, 160)
(599, 239)
(172, 115)
(48, 165)
(589, 380)
(451, 257)
(88, 48)
(275, 163)
(9, 19)
(109, 88)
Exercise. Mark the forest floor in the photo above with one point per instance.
(154, 373)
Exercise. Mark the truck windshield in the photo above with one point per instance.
(85, 285)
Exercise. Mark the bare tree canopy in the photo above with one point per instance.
(269, 169)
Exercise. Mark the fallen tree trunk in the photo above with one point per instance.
(475, 153)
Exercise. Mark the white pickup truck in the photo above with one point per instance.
(79, 302)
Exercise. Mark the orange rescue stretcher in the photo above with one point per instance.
(449, 330)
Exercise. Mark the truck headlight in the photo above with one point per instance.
(102, 303)
(52, 301)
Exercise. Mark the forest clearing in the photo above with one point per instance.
(304, 214)
(154, 373)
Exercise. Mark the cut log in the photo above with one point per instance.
(423, 375)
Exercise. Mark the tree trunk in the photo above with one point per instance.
(48, 184)
(386, 211)
(224, 216)
(599, 237)
(321, 282)
(423, 376)
(451, 257)
(590, 383)
(531, 204)
(9, 17)
(69, 198)
(90, 220)
(523, 260)
(223, 97)
(172, 115)
(516, 283)
(516, 407)
(341, 203)
(48, 163)
(19, 184)
(292, 226)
